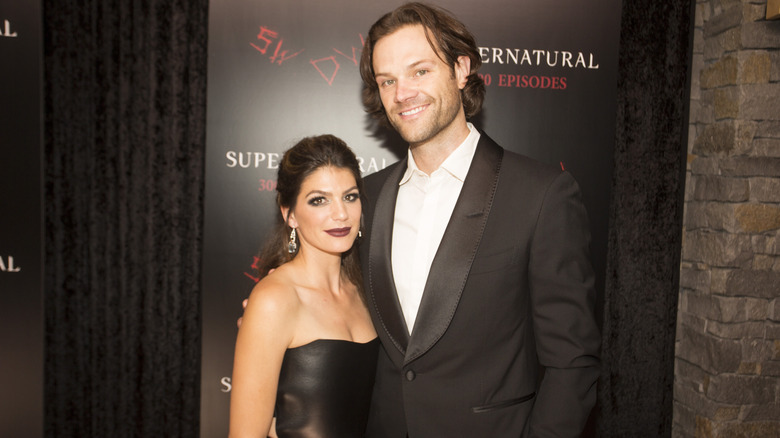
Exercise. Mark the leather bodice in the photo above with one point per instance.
(325, 389)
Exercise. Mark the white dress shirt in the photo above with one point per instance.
(422, 211)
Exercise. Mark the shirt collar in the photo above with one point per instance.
(456, 164)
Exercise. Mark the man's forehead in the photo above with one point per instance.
(424, 31)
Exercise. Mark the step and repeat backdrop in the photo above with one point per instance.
(21, 272)
(280, 71)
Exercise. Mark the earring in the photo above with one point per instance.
(292, 245)
(360, 233)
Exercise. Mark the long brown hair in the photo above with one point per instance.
(448, 37)
(298, 162)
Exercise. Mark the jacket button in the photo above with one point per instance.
(410, 375)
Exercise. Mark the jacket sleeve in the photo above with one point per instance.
(562, 299)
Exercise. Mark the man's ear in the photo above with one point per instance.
(289, 217)
(462, 70)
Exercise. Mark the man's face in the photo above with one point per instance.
(420, 93)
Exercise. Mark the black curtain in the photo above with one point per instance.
(125, 101)
(125, 111)
(645, 230)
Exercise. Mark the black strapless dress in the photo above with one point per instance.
(325, 389)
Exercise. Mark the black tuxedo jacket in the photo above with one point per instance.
(510, 289)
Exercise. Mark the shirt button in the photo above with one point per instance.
(410, 375)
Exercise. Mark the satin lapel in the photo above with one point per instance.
(380, 271)
(451, 265)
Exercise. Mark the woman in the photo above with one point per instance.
(306, 349)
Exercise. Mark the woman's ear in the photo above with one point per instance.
(289, 217)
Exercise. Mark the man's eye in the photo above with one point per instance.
(387, 83)
(421, 72)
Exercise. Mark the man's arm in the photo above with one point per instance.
(562, 300)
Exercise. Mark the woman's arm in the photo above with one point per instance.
(266, 332)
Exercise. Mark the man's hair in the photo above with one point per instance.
(448, 37)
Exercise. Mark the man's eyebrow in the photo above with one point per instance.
(408, 67)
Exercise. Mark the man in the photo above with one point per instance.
(475, 262)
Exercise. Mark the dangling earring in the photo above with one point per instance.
(360, 233)
(292, 245)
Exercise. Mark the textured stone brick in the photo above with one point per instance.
(776, 355)
(749, 368)
(772, 331)
(688, 187)
(704, 166)
(763, 262)
(718, 138)
(698, 304)
(760, 35)
(696, 279)
(749, 430)
(691, 376)
(763, 412)
(737, 309)
(774, 75)
(750, 166)
(773, 311)
(718, 188)
(754, 67)
(719, 73)
(753, 12)
(768, 128)
(758, 217)
(718, 279)
(703, 427)
(683, 421)
(689, 320)
(739, 389)
(727, 103)
(766, 244)
(697, 67)
(745, 136)
(728, 41)
(759, 101)
(764, 189)
(766, 147)
(758, 350)
(717, 216)
(757, 284)
(757, 309)
(717, 249)
(728, 19)
(706, 110)
(692, 398)
(726, 413)
(712, 354)
(771, 368)
(740, 330)
(728, 309)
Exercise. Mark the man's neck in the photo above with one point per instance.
(429, 155)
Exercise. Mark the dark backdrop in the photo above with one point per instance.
(125, 87)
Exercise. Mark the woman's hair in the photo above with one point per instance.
(448, 37)
(298, 162)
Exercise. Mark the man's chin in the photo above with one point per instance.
(410, 135)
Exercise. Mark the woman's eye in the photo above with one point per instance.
(352, 197)
(387, 83)
(319, 200)
(421, 72)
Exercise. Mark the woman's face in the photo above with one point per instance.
(327, 211)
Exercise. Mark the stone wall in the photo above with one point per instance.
(727, 361)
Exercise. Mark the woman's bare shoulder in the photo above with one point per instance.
(274, 293)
